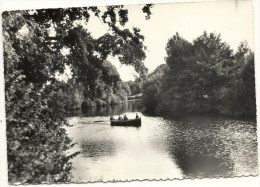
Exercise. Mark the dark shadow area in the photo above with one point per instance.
(202, 162)
(199, 151)
(204, 166)
(198, 117)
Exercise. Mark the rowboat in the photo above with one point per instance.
(131, 122)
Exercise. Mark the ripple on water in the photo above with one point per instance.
(162, 148)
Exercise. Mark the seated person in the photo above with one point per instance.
(112, 118)
(136, 116)
(125, 117)
(119, 118)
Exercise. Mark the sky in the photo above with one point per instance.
(233, 20)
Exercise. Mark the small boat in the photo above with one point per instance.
(131, 122)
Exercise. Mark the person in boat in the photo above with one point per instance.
(112, 118)
(120, 118)
(125, 117)
(136, 116)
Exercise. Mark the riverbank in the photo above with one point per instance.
(88, 103)
(118, 109)
(201, 115)
(134, 97)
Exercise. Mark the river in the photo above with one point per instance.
(160, 148)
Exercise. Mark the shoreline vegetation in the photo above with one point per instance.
(203, 76)
(77, 100)
(199, 77)
(38, 44)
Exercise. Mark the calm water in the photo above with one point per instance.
(160, 148)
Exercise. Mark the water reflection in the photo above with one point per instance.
(133, 106)
(161, 148)
(199, 151)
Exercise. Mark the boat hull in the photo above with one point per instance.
(131, 122)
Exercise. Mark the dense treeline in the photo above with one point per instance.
(105, 93)
(136, 86)
(95, 81)
(202, 76)
(99, 78)
(36, 105)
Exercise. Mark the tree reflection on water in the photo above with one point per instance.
(119, 109)
(212, 148)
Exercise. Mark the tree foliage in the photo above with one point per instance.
(152, 88)
(136, 86)
(203, 76)
(35, 105)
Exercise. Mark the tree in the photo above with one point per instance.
(239, 95)
(136, 86)
(152, 88)
(198, 69)
(203, 76)
(35, 109)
